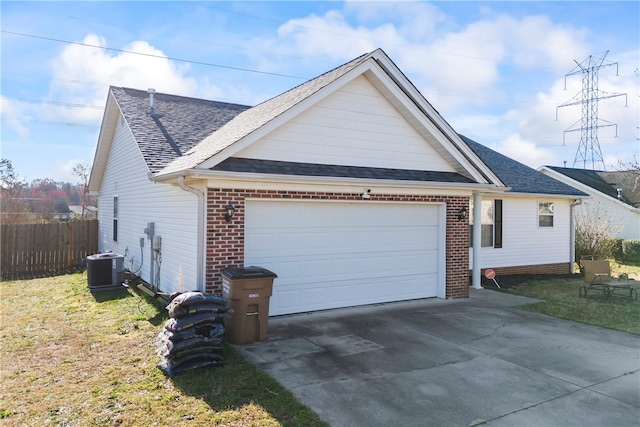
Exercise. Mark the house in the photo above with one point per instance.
(613, 195)
(83, 212)
(350, 187)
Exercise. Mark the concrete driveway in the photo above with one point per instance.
(453, 363)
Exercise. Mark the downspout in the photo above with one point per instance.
(200, 242)
(572, 234)
(476, 278)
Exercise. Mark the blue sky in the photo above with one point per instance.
(494, 70)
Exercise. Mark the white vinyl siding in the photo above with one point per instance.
(523, 241)
(625, 222)
(141, 201)
(354, 126)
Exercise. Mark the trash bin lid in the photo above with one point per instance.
(247, 272)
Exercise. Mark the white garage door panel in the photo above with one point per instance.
(332, 254)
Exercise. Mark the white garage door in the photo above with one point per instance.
(339, 254)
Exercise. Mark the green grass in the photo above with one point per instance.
(561, 299)
(72, 358)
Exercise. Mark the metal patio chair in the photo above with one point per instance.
(600, 283)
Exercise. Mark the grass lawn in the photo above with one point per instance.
(561, 299)
(75, 359)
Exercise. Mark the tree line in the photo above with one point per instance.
(43, 199)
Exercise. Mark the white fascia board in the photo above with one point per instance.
(429, 120)
(420, 107)
(548, 196)
(105, 138)
(584, 188)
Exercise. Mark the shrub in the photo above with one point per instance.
(631, 251)
(617, 252)
(594, 230)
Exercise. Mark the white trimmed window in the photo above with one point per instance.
(115, 218)
(545, 214)
(491, 226)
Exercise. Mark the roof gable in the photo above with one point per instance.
(607, 183)
(353, 126)
(255, 118)
(179, 123)
(521, 178)
(259, 121)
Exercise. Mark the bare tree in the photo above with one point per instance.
(13, 207)
(83, 172)
(594, 232)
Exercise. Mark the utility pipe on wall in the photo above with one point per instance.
(201, 250)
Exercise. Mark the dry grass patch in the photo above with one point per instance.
(74, 359)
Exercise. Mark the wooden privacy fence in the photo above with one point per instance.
(46, 248)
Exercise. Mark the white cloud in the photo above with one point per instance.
(462, 71)
(414, 21)
(64, 171)
(150, 67)
(14, 116)
(524, 151)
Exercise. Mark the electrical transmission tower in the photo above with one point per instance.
(589, 153)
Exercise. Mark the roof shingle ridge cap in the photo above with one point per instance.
(307, 82)
(192, 98)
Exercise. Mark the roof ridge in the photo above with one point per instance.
(164, 94)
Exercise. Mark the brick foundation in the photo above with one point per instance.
(559, 268)
(225, 240)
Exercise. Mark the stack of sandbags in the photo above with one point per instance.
(194, 334)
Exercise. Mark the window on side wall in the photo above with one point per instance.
(491, 226)
(545, 214)
(115, 218)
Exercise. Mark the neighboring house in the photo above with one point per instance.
(83, 212)
(615, 196)
(350, 187)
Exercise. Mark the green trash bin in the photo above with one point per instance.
(247, 290)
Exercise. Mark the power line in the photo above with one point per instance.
(70, 124)
(150, 55)
(62, 104)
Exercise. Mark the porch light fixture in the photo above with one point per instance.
(229, 209)
(462, 213)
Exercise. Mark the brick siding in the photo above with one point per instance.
(559, 268)
(225, 240)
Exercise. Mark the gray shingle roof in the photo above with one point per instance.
(607, 182)
(180, 123)
(521, 178)
(235, 164)
(258, 116)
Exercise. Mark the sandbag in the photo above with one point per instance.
(209, 330)
(196, 297)
(199, 307)
(167, 348)
(182, 323)
(172, 368)
(193, 336)
(173, 354)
